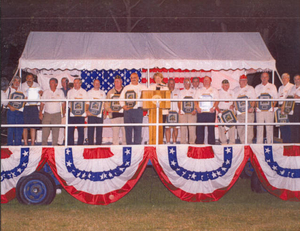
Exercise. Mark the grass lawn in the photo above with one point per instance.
(150, 206)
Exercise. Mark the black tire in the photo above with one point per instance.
(37, 189)
(256, 185)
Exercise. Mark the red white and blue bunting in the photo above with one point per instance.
(98, 179)
(278, 168)
(206, 178)
(101, 176)
(17, 162)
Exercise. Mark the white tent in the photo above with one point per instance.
(200, 51)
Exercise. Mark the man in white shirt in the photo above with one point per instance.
(95, 93)
(31, 111)
(174, 107)
(196, 83)
(187, 116)
(265, 116)
(76, 93)
(14, 116)
(116, 117)
(248, 92)
(206, 111)
(283, 90)
(52, 111)
(133, 112)
(226, 93)
(294, 117)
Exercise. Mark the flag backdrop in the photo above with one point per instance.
(101, 176)
(278, 168)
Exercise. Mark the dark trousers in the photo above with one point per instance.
(75, 120)
(295, 129)
(205, 118)
(91, 130)
(14, 135)
(286, 133)
(133, 116)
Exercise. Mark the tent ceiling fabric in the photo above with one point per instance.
(200, 51)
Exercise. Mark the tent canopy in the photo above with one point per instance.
(199, 51)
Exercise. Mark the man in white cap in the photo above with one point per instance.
(265, 116)
(248, 92)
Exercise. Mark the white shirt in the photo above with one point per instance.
(175, 95)
(283, 91)
(295, 90)
(224, 105)
(96, 94)
(268, 88)
(137, 89)
(187, 93)
(77, 94)
(3, 97)
(53, 107)
(213, 92)
(25, 88)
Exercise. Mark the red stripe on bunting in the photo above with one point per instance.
(97, 153)
(198, 197)
(7, 197)
(5, 153)
(200, 153)
(291, 150)
(283, 194)
(100, 199)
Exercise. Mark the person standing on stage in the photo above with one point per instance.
(174, 107)
(295, 115)
(206, 111)
(245, 91)
(226, 93)
(76, 93)
(187, 117)
(52, 111)
(95, 93)
(31, 111)
(133, 112)
(283, 90)
(266, 116)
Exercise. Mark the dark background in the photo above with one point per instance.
(277, 21)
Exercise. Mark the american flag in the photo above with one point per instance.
(106, 78)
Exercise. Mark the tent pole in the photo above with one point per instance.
(273, 76)
(279, 77)
(148, 77)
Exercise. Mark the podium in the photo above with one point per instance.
(151, 106)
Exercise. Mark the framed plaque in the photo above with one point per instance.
(17, 95)
(172, 117)
(228, 116)
(241, 105)
(95, 108)
(289, 105)
(206, 106)
(115, 105)
(188, 106)
(78, 108)
(281, 118)
(264, 105)
(130, 95)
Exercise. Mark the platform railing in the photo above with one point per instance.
(157, 124)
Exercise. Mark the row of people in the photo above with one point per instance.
(50, 112)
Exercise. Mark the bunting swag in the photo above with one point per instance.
(278, 168)
(98, 176)
(17, 162)
(196, 174)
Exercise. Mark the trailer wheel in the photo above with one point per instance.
(256, 185)
(37, 188)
